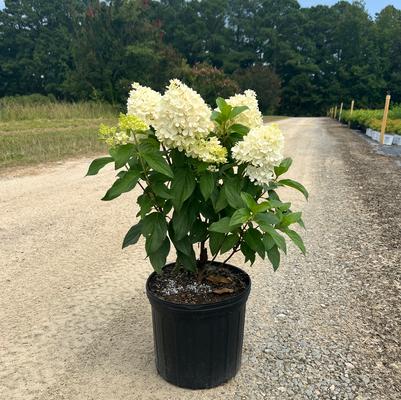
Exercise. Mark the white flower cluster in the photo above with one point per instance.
(261, 148)
(183, 117)
(143, 102)
(252, 117)
(208, 150)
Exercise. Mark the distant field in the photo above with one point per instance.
(37, 133)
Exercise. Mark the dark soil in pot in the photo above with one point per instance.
(198, 333)
(213, 284)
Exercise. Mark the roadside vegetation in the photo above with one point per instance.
(37, 129)
(373, 119)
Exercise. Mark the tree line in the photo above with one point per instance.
(300, 61)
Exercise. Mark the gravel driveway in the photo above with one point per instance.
(75, 322)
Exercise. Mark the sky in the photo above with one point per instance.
(373, 6)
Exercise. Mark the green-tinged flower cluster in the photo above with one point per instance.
(128, 127)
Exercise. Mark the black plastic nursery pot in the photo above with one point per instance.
(199, 346)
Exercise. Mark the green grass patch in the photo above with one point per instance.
(34, 132)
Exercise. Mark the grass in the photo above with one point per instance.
(38, 133)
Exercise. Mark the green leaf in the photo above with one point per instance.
(229, 242)
(145, 204)
(266, 220)
(121, 154)
(296, 239)
(184, 246)
(182, 186)
(215, 241)
(237, 111)
(216, 116)
(291, 218)
(295, 185)
(158, 258)
(158, 163)
(184, 218)
(262, 207)
(207, 185)
(253, 239)
(278, 239)
(250, 255)
(221, 202)
(279, 205)
(268, 242)
(198, 232)
(154, 229)
(122, 185)
(98, 164)
(283, 167)
(274, 256)
(133, 235)
(249, 200)
(224, 108)
(240, 217)
(187, 262)
(240, 129)
(221, 226)
(161, 190)
(232, 192)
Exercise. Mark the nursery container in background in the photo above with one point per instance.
(388, 139)
(397, 140)
(375, 135)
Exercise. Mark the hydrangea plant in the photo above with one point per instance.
(209, 178)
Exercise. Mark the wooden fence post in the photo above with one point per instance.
(341, 111)
(385, 116)
(351, 112)
(335, 112)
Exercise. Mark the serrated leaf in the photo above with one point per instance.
(266, 220)
(283, 167)
(240, 217)
(215, 241)
(133, 235)
(229, 242)
(158, 258)
(250, 255)
(262, 207)
(291, 218)
(253, 239)
(207, 184)
(98, 164)
(122, 185)
(182, 186)
(158, 163)
(249, 200)
(154, 228)
(184, 218)
(296, 239)
(237, 111)
(221, 202)
(241, 130)
(161, 190)
(232, 193)
(221, 226)
(274, 256)
(295, 185)
(121, 154)
(278, 239)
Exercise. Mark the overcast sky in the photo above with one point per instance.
(373, 6)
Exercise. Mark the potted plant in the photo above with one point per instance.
(209, 181)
